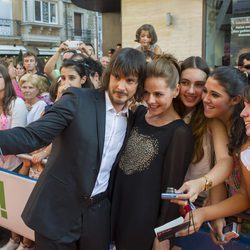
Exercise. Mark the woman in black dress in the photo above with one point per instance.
(157, 155)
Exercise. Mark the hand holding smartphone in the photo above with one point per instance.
(230, 231)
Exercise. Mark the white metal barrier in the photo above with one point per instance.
(14, 193)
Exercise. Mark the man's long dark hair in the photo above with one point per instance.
(126, 62)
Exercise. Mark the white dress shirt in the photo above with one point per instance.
(115, 130)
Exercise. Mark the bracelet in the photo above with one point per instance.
(208, 183)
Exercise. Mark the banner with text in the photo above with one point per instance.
(14, 193)
(240, 27)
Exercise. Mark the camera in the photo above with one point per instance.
(170, 194)
(73, 44)
(230, 231)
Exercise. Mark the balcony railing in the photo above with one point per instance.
(10, 27)
(82, 35)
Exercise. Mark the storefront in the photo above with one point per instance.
(227, 31)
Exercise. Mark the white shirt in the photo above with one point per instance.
(245, 158)
(115, 130)
(36, 111)
(18, 113)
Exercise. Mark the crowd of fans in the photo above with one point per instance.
(214, 103)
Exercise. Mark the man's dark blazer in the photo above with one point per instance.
(76, 125)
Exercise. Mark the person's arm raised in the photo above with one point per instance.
(220, 171)
(51, 63)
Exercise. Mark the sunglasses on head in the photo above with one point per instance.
(247, 66)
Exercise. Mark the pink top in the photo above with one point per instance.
(17, 89)
(16, 118)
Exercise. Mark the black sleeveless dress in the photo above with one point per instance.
(154, 158)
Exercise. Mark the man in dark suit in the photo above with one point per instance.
(69, 207)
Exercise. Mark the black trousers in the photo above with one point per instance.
(91, 232)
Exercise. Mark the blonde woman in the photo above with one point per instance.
(32, 86)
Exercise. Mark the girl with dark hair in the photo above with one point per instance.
(155, 157)
(73, 73)
(85, 68)
(211, 159)
(240, 201)
(222, 99)
(12, 73)
(147, 37)
(211, 163)
(20, 71)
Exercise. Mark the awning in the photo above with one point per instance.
(99, 5)
(46, 51)
(11, 49)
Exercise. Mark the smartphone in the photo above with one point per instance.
(73, 44)
(230, 231)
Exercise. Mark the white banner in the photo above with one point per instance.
(14, 193)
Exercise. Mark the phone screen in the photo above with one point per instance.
(230, 231)
(227, 228)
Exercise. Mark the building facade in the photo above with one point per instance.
(41, 25)
(218, 30)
